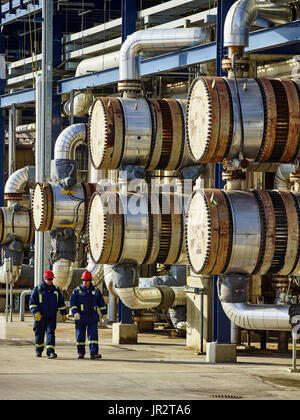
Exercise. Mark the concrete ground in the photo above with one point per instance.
(159, 367)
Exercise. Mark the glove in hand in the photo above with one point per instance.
(37, 316)
(64, 318)
(77, 316)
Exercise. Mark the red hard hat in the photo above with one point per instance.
(86, 276)
(48, 274)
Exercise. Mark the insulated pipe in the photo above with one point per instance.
(154, 39)
(68, 140)
(19, 180)
(16, 272)
(244, 13)
(125, 284)
(282, 177)
(232, 292)
(83, 100)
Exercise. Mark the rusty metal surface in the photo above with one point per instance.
(106, 133)
(157, 139)
(201, 139)
(116, 220)
(167, 130)
(296, 268)
(226, 123)
(225, 239)
(197, 231)
(210, 196)
(177, 137)
(207, 232)
(215, 115)
(293, 233)
(267, 254)
(100, 229)
(294, 121)
(155, 229)
(42, 206)
(271, 119)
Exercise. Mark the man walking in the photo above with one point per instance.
(45, 301)
(84, 302)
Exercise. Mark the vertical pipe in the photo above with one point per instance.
(128, 27)
(12, 140)
(39, 176)
(294, 353)
(46, 144)
(2, 133)
(222, 325)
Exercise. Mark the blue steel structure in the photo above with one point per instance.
(283, 39)
(128, 27)
(280, 39)
(221, 332)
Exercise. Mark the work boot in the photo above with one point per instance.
(52, 356)
(38, 354)
(95, 356)
(81, 356)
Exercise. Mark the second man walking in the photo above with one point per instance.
(84, 302)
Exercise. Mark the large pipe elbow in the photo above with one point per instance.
(282, 177)
(155, 39)
(68, 140)
(19, 181)
(244, 13)
(126, 285)
(232, 292)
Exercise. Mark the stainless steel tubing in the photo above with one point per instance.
(233, 294)
(140, 298)
(246, 232)
(252, 114)
(68, 208)
(15, 225)
(138, 131)
(136, 228)
(258, 317)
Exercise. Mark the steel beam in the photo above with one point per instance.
(265, 40)
(19, 9)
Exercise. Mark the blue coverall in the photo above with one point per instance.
(47, 300)
(86, 301)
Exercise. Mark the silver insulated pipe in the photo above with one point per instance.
(155, 39)
(19, 180)
(232, 291)
(244, 13)
(126, 285)
(68, 140)
(282, 177)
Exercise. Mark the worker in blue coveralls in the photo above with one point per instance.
(84, 302)
(45, 301)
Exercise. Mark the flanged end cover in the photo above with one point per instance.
(42, 206)
(99, 238)
(105, 228)
(198, 231)
(201, 110)
(105, 133)
(208, 232)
